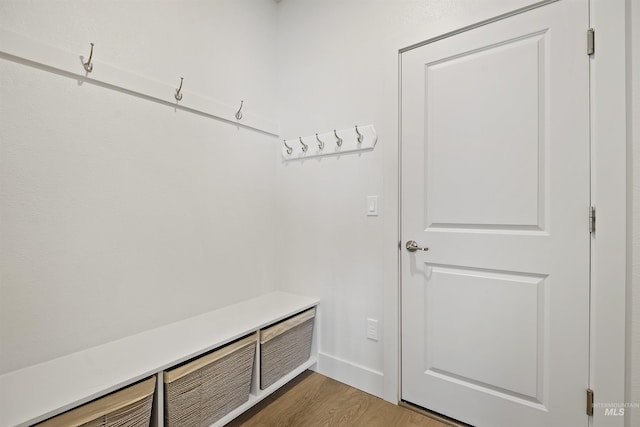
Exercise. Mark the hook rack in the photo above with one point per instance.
(20, 49)
(358, 138)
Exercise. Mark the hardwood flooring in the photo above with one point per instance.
(315, 400)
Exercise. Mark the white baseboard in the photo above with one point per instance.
(351, 374)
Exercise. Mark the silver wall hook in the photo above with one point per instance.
(338, 139)
(178, 95)
(289, 149)
(239, 112)
(305, 147)
(320, 142)
(360, 136)
(88, 66)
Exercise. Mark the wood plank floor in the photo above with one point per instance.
(312, 399)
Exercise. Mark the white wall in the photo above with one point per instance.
(118, 214)
(341, 69)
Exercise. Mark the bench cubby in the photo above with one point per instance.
(203, 391)
(130, 406)
(285, 346)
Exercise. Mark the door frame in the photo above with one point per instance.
(610, 139)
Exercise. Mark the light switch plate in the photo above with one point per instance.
(372, 205)
(372, 329)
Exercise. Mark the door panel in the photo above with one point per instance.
(495, 181)
(474, 157)
(500, 328)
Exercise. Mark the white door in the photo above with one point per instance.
(495, 182)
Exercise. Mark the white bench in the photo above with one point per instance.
(38, 392)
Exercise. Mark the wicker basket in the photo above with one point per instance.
(285, 346)
(201, 392)
(129, 407)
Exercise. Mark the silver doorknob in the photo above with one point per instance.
(412, 246)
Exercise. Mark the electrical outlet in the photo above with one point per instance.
(372, 329)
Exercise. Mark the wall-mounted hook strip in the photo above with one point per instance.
(364, 138)
(338, 139)
(239, 112)
(305, 147)
(289, 149)
(360, 136)
(21, 49)
(178, 94)
(88, 66)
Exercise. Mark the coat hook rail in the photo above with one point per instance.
(78, 65)
(359, 138)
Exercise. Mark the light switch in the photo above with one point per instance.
(372, 329)
(372, 205)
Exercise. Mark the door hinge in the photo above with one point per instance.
(592, 219)
(591, 41)
(590, 402)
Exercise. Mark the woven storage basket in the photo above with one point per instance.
(130, 407)
(285, 346)
(205, 390)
